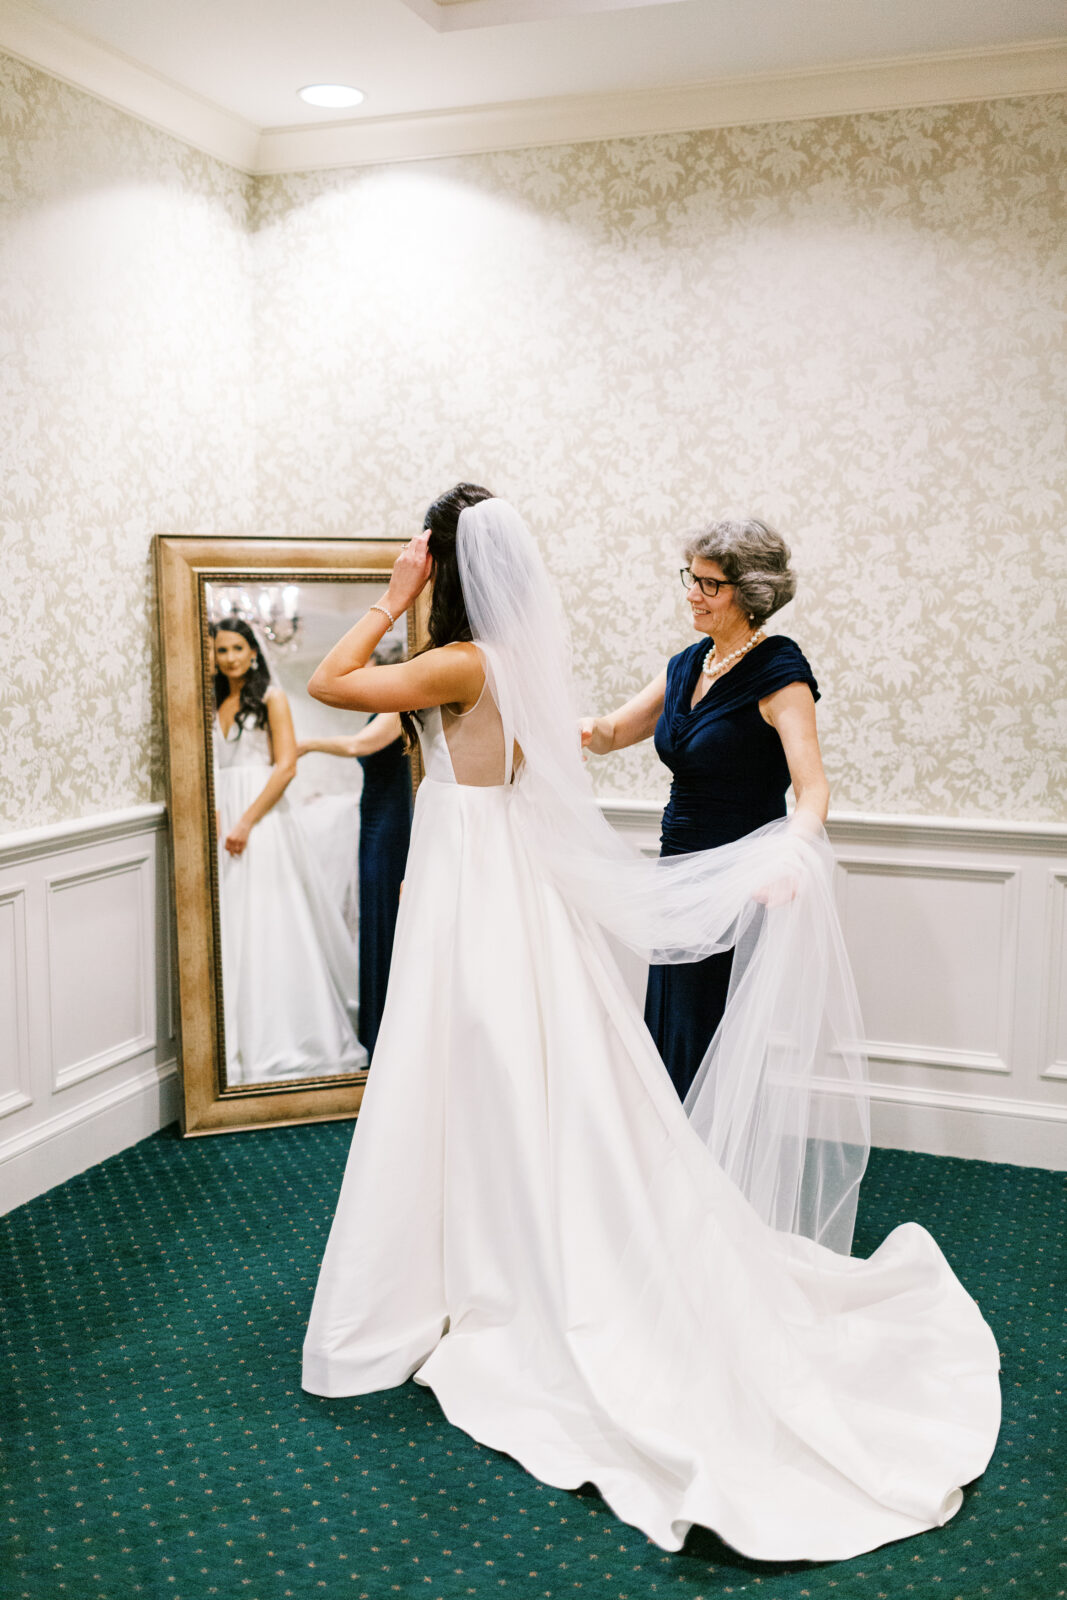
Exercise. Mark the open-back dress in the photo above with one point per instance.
(529, 1225)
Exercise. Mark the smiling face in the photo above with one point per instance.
(233, 654)
(712, 613)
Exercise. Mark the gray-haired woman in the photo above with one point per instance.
(735, 723)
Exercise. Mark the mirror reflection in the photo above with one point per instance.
(312, 818)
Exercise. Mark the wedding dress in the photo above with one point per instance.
(531, 1225)
(288, 961)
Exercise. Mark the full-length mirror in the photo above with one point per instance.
(290, 824)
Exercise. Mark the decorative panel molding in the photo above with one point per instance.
(14, 1003)
(957, 929)
(1007, 882)
(87, 1064)
(56, 838)
(1054, 1009)
(934, 950)
(101, 960)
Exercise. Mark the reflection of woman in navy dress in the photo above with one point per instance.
(384, 831)
(736, 725)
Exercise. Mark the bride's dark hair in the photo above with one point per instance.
(448, 620)
(448, 614)
(252, 706)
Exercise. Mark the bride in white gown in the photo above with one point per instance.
(288, 962)
(589, 1280)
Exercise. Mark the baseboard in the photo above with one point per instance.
(1021, 1134)
(66, 1145)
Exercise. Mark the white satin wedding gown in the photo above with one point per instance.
(529, 1225)
(289, 977)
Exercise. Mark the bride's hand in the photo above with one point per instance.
(586, 730)
(237, 837)
(411, 573)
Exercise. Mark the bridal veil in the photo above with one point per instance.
(780, 1099)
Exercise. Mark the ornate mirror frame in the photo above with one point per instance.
(185, 563)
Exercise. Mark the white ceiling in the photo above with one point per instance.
(447, 77)
(251, 56)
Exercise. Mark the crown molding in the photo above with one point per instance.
(73, 57)
(944, 78)
(574, 119)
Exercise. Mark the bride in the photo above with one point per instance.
(288, 978)
(590, 1280)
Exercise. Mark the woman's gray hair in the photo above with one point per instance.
(753, 558)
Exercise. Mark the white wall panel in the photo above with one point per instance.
(934, 951)
(101, 961)
(86, 1054)
(1055, 987)
(14, 1003)
(958, 933)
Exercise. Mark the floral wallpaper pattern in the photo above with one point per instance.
(125, 409)
(854, 327)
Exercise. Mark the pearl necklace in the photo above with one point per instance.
(711, 669)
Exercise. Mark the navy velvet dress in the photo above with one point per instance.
(730, 777)
(384, 832)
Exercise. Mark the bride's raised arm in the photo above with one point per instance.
(450, 676)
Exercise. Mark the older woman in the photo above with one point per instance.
(733, 717)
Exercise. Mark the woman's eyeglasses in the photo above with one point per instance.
(708, 586)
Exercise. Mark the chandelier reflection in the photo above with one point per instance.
(271, 608)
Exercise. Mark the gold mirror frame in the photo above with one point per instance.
(184, 564)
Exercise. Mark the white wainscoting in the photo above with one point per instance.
(957, 931)
(87, 1054)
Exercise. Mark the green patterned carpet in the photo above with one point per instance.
(157, 1441)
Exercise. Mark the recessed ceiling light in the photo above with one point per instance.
(334, 96)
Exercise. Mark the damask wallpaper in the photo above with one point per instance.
(125, 408)
(853, 327)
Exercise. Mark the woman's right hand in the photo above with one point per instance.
(594, 736)
(237, 837)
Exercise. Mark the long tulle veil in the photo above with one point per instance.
(780, 1099)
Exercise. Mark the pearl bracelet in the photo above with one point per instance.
(385, 613)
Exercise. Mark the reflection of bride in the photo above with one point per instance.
(288, 967)
(605, 1289)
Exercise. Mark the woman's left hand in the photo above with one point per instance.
(411, 573)
(778, 891)
(237, 837)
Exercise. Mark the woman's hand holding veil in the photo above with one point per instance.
(778, 891)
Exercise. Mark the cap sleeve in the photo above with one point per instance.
(779, 663)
